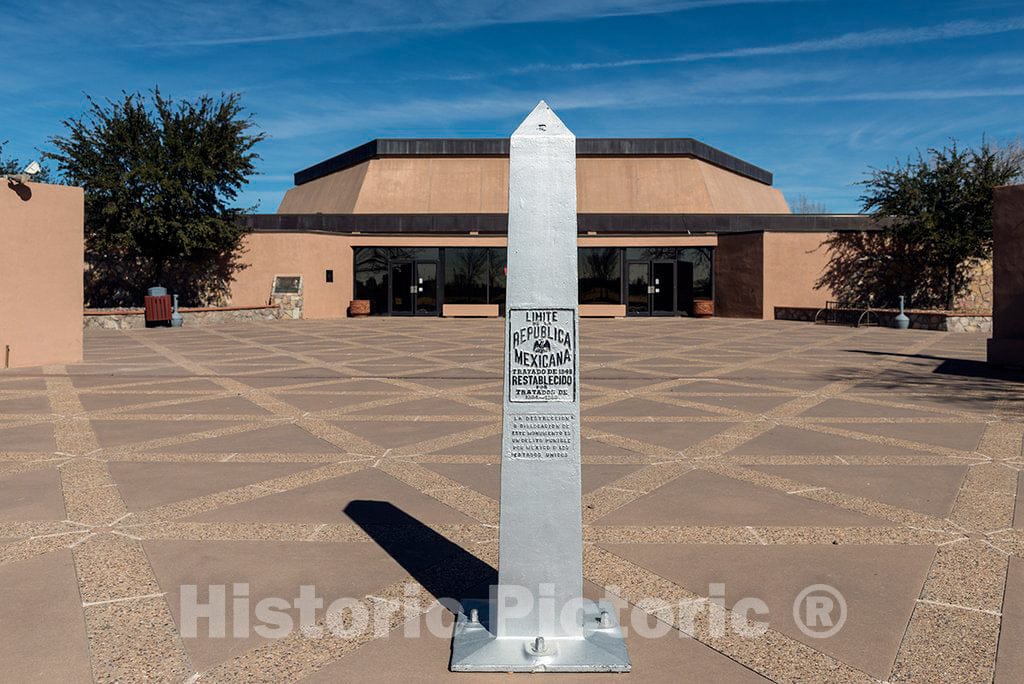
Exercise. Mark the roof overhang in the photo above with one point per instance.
(600, 224)
(498, 147)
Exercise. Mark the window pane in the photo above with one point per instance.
(426, 253)
(466, 272)
(700, 257)
(371, 269)
(650, 253)
(497, 269)
(600, 282)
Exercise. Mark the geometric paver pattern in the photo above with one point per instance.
(723, 459)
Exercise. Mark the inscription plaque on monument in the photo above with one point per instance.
(542, 355)
(541, 436)
(537, 619)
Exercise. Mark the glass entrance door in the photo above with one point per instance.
(414, 288)
(651, 288)
(403, 292)
(663, 276)
(426, 288)
(638, 284)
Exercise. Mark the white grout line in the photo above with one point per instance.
(89, 604)
(755, 535)
(624, 489)
(381, 599)
(88, 536)
(55, 534)
(126, 535)
(959, 607)
(996, 548)
(955, 541)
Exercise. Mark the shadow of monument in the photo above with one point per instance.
(443, 568)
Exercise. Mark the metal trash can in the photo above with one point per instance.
(158, 310)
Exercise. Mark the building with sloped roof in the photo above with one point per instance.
(416, 227)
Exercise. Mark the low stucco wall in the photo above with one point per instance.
(1007, 344)
(41, 274)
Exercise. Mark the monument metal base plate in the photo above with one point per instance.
(601, 648)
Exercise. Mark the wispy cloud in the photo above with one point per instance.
(445, 17)
(880, 96)
(859, 40)
(322, 115)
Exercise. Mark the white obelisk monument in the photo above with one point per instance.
(537, 619)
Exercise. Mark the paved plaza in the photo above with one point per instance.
(723, 459)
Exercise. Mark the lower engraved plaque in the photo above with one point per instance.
(540, 436)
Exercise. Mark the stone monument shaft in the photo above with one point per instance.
(537, 619)
(541, 528)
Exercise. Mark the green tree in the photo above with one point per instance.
(160, 177)
(937, 212)
(11, 165)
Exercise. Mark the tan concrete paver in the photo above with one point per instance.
(33, 495)
(1010, 659)
(926, 489)
(877, 583)
(701, 498)
(42, 637)
(361, 455)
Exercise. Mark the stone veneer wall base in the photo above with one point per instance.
(919, 320)
(120, 319)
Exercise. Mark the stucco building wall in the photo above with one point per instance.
(739, 275)
(793, 263)
(754, 270)
(41, 274)
(1007, 343)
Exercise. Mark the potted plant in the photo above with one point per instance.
(703, 308)
(359, 307)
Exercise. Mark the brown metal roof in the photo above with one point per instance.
(498, 147)
(601, 224)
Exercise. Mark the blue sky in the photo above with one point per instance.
(816, 91)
